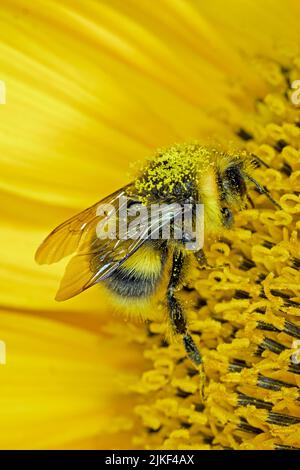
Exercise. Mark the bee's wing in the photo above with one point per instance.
(86, 269)
(96, 258)
(75, 233)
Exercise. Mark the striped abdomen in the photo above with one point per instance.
(139, 276)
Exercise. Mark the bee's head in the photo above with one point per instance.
(222, 190)
(224, 187)
(232, 191)
(233, 185)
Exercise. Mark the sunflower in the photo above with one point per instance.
(92, 86)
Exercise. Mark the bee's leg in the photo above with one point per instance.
(202, 261)
(177, 316)
(201, 258)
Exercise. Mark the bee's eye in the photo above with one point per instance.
(234, 180)
(227, 216)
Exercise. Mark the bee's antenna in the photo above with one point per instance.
(263, 190)
(250, 200)
(260, 160)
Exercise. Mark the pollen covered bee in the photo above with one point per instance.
(138, 260)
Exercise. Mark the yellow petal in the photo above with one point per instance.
(59, 385)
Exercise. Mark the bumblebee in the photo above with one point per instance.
(139, 271)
